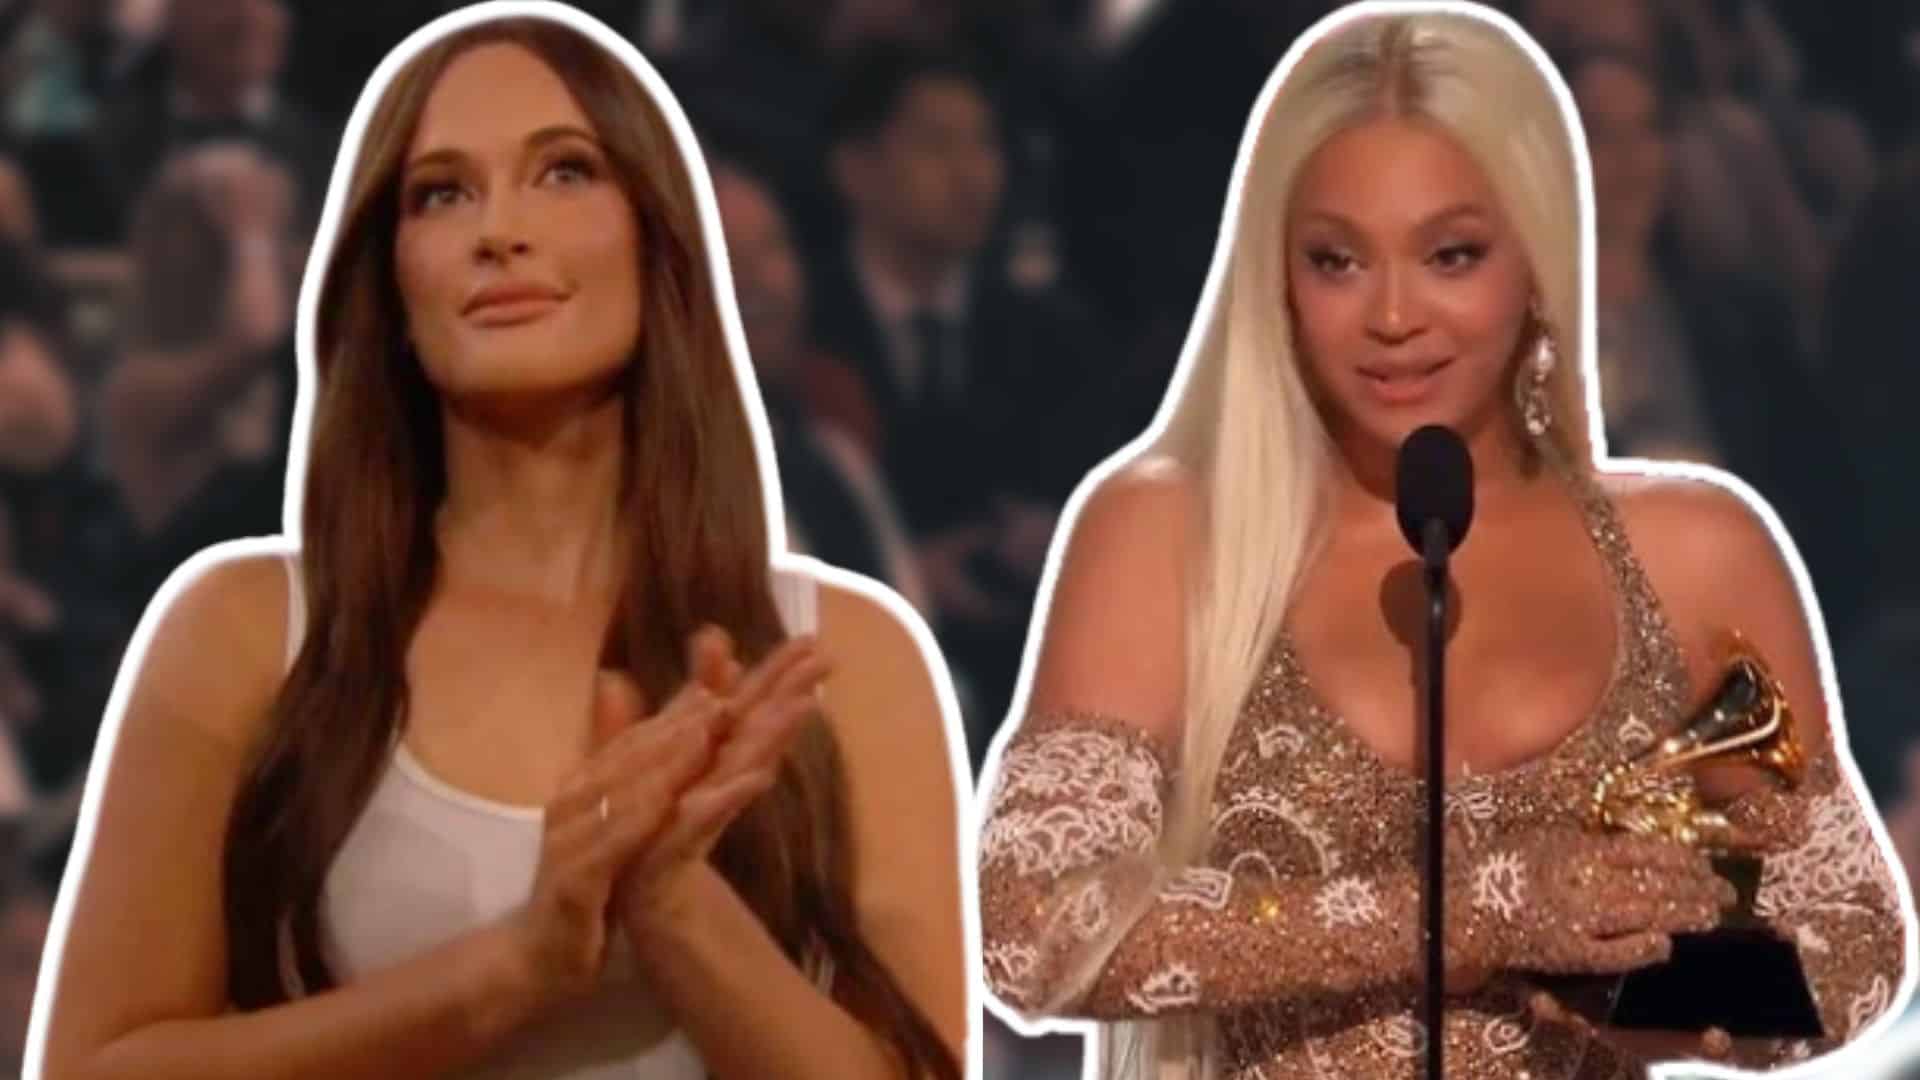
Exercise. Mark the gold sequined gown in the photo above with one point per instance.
(1300, 935)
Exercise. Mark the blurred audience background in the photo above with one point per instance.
(967, 239)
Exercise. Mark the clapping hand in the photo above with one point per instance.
(639, 816)
(611, 809)
(762, 711)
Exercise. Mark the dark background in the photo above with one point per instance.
(1060, 165)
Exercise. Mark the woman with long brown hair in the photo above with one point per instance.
(551, 773)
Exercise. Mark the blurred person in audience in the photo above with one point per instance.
(19, 223)
(1146, 155)
(38, 413)
(757, 77)
(60, 70)
(1736, 207)
(1156, 110)
(193, 416)
(760, 78)
(985, 386)
(1739, 207)
(1866, 55)
(1029, 57)
(184, 444)
(1630, 27)
(1827, 147)
(1670, 331)
(39, 406)
(38, 431)
(185, 441)
(838, 504)
(338, 51)
(334, 55)
(25, 610)
(215, 77)
(1656, 405)
(527, 755)
(59, 66)
(1871, 341)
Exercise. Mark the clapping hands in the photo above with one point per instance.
(758, 715)
(634, 824)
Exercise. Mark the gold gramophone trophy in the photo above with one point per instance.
(1741, 976)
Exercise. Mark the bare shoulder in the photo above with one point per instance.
(1114, 639)
(863, 630)
(905, 779)
(210, 650)
(186, 712)
(1151, 503)
(1134, 532)
(1718, 564)
(1697, 532)
(1664, 493)
(882, 689)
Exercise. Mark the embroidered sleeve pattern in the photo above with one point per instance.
(1079, 920)
(1828, 887)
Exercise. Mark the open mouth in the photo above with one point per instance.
(1404, 373)
(1403, 384)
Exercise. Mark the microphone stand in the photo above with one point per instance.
(1436, 553)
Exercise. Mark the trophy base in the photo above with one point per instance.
(1747, 981)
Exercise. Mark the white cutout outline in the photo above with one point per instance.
(1860, 1051)
(772, 502)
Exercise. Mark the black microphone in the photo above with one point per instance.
(1433, 493)
(1433, 496)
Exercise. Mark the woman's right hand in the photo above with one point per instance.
(1569, 901)
(609, 812)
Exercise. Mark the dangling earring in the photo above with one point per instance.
(1530, 390)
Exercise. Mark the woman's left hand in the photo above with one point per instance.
(1713, 1044)
(767, 707)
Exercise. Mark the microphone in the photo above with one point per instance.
(1433, 493)
(1433, 498)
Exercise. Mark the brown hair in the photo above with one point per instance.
(699, 553)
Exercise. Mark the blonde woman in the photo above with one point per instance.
(1203, 832)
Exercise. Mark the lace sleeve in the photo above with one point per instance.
(1080, 920)
(1829, 888)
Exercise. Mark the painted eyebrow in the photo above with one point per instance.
(1457, 210)
(542, 137)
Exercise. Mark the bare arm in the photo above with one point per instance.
(145, 894)
(904, 807)
(748, 1008)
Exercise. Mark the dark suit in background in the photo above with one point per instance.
(1025, 418)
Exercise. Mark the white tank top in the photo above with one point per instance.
(426, 862)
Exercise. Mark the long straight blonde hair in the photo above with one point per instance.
(1240, 419)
